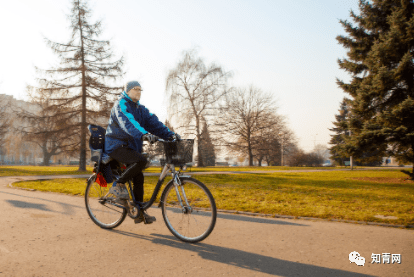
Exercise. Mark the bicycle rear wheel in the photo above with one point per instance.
(101, 209)
(194, 222)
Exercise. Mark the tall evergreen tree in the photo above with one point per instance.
(341, 131)
(207, 148)
(371, 156)
(380, 60)
(82, 84)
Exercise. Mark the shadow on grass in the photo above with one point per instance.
(336, 188)
(243, 259)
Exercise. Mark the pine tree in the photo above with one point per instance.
(380, 60)
(79, 85)
(341, 131)
(371, 156)
(207, 148)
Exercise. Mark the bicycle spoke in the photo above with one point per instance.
(189, 224)
(104, 215)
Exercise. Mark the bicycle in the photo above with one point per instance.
(188, 207)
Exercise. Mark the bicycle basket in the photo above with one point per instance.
(179, 152)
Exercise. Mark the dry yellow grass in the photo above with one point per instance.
(348, 195)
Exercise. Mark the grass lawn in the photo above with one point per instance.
(350, 195)
(24, 170)
(72, 170)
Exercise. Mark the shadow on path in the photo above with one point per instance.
(257, 219)
(243, 259)
(28, 205)
(68, 209)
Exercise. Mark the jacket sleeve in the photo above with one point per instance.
(127, 122)
(156, 127)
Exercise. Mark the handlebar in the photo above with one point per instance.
(162, 140)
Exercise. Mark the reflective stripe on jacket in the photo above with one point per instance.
(128, 122)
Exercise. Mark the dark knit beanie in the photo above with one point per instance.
(130, 85)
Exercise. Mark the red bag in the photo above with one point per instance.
(101, 180)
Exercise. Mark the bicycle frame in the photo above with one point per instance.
(175, 175)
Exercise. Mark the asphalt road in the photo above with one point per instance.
(50, 234)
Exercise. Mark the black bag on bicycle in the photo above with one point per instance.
(96, 144)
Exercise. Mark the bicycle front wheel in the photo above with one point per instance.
(101, 208)
(192, 222)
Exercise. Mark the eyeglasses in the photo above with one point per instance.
(137, 88)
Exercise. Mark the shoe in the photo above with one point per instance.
(145, 217)
(119, 190)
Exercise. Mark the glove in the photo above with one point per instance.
(150, 138)
(174, 137)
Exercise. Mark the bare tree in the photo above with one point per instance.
(4, 123)
(157, 149)
(193, 90)
(243, 117)
(322, 151)
(300, 158)
(80, 84)
(47, 126)
(268, 143)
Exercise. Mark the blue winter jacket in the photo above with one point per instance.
(128, 122)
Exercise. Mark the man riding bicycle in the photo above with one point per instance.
(129, 124)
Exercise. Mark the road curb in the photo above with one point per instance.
(315, 218)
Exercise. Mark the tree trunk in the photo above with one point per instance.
(250, 156)
(46, 156)
(82, 158)
(412, 173)
(260, 161)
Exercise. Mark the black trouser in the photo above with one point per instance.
(135, 164)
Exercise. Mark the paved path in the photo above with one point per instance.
(50, 234)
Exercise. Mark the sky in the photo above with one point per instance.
(286, 48)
